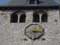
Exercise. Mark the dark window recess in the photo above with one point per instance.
(44, 17)
(14, 18)
(22, 18)
(35, 17)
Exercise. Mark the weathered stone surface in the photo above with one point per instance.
(13, 33)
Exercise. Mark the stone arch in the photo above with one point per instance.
(22, 18)
(14, 18)
(36, 16)
(44, 17)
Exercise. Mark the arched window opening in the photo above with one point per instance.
(36, 17)
(22, 18)
(14, 18)
(44, 17)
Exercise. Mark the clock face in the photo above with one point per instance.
(34, 31)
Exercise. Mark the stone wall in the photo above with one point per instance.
(13, 33)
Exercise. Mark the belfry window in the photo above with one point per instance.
(35, 17)
(22, 18)
(44, 17)
(14, 18)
